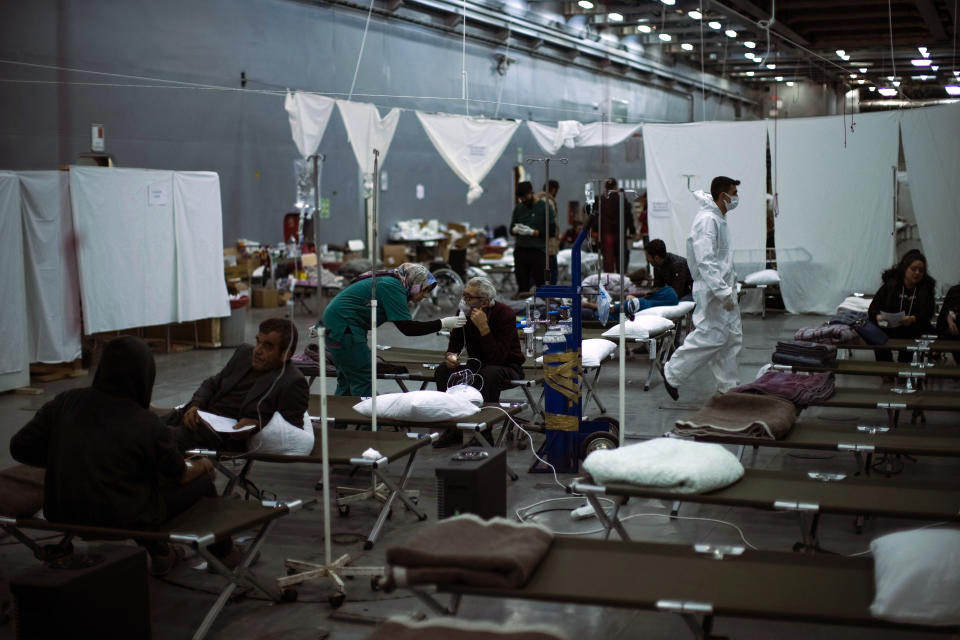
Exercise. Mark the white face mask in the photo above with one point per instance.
(733, 202)
(465, 309)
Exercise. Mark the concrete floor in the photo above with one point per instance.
(179, 602)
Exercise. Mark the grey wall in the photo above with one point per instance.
(244, 134)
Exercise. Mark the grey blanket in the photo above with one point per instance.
(467, 550)
(744, 414)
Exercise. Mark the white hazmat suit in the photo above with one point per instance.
(718, 334)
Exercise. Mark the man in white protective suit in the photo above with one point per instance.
(718, 334)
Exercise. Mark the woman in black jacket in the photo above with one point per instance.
(907, 288)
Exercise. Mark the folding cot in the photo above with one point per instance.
(659, 346)
(727, 581)
(862, 440)
(347, 447)
(208, 521)
(892, 402)
(808, 494)
(906, 371)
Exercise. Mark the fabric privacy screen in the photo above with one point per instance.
(53, 285)
(14, 363)
(930, 147)
(367, 131)
(198, 225)
(470, 146)
(702, 151)
(571, 134)
(836, 207)
(309, 115)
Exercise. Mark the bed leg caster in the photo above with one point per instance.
(367, 545)
(422, 517)
(858, 524)
(336, 599)
(646, 387)
(375, 583)
(343, 509)
(289, 595)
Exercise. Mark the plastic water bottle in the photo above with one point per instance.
(566, 322)
(529, 339)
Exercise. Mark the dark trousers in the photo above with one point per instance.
(495, 378)
(528, 264)
(553, 269)
(885, 355)
(204, 437)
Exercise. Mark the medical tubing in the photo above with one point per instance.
(532, 447)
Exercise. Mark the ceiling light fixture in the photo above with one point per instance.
(666, 37)
(790, 83)
(853, 75)
(921, 62)
(846, 58)
(585, 4)
(713, 24)
(750, 73)
(779, 78)
(615, 17)
(923, 51)
(771, 66)
(895, 83)
(686, 46)
(887, 92)
(731, 33)
(861, 81)
(872, 88)
(669, 3)
(953, 89)
(749, 55)
(862, 69)
(749, 44)
(696, 15)
(644, 28)
(935, 68)
(841, 53)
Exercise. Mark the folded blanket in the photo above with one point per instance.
(793, 359)
(447, 628)
(829, 334)
(465, 549)
(744, 414)
(823, 352)
(798, 388)
(683, 466)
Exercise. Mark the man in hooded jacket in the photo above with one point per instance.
(718, 335)
(109, 460)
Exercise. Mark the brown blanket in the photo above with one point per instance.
(743, 414)
(453, 629)
(468, 550)
(21, 491)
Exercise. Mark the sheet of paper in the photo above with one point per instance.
(893, 319)
(221, 424)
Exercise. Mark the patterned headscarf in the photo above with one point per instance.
(415, 277)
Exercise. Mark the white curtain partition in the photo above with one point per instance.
(836, 207)
(930, 147)
(14, 363)
(470, 146)
(125, 246)
(53, 285)
(198, 225)
(309, 115)
(681, 158)
(367, 131)
(572, 134)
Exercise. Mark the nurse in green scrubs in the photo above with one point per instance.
(347, 320)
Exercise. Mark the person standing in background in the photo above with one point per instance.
(609, 207)
(553, 245)
(528, 224)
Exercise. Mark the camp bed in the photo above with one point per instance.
(864, 441)
(743, 287)
(810, 495)
(912, 374)
(311, 372)
(208, 521)
(892, 402)
(698, 583)
(659, 347)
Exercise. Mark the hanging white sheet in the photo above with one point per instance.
(681, 158)
(571, 134)
(834, 231)
(930, 148)
(309, 115)
(14, 363)
(198, 224)
(53, 284)
(470, 146)
(367, 131)
(126, 246)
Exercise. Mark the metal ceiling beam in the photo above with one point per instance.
(932, 18)
(753, 11)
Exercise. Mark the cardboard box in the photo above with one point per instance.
(283, 297)
(394, 255)
(263, 298)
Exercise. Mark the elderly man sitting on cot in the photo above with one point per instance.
(493, 349)
(257, 382)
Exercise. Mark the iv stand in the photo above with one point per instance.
(547, 276)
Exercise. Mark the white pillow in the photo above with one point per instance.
(611, 282)
(917, 577)
(593, 351)
(564, 257)
(468, 393)
(280, 437)
(674, 312)
(767, 276)
(642, 326)
(419, 406)
(854, 303)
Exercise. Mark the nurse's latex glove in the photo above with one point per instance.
(453, 322)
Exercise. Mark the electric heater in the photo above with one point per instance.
(474, 480)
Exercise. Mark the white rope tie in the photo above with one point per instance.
(363, 43)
